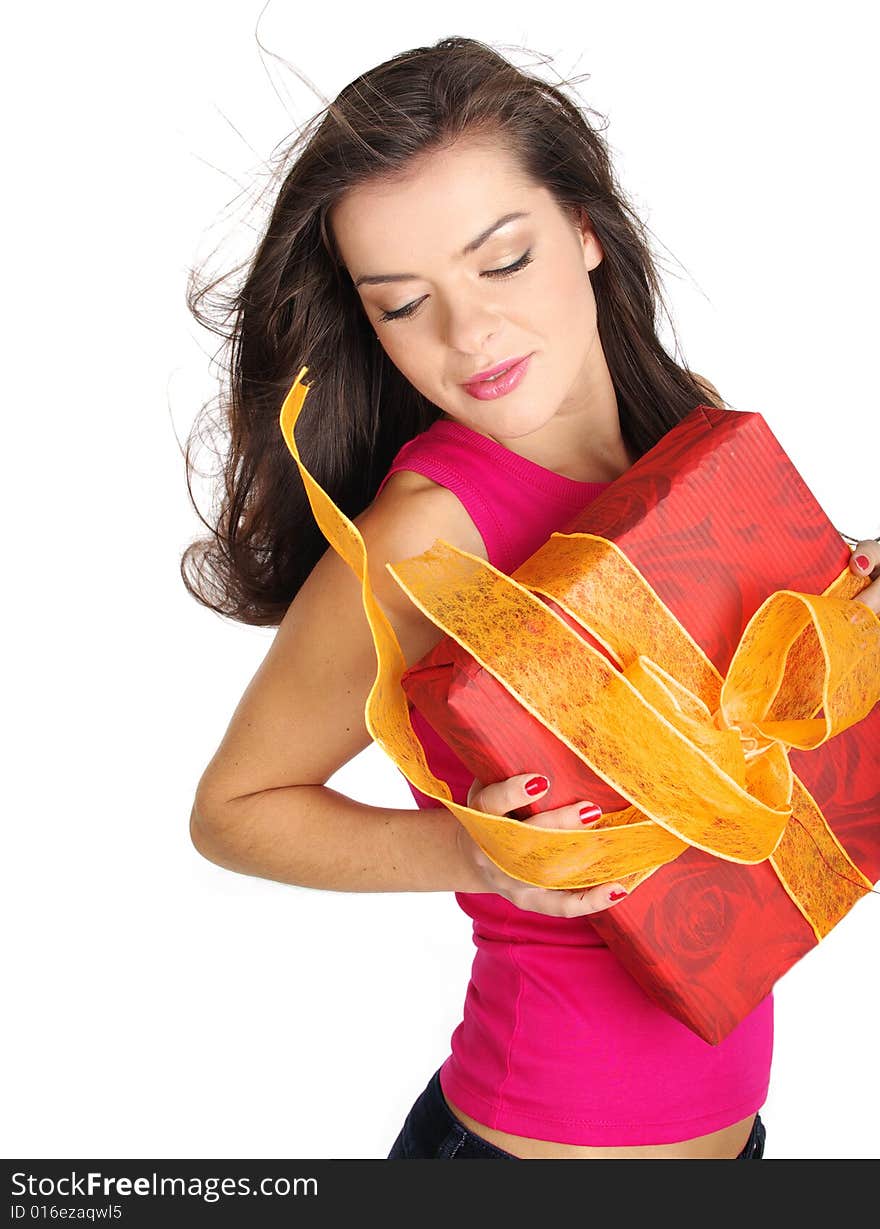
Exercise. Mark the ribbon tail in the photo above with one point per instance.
(814, 868)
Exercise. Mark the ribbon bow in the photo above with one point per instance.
(702, 759)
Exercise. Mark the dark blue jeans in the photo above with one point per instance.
(432, 1132)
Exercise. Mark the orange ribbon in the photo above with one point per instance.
(703, 760)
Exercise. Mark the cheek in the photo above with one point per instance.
(563, 297)
(410, 355)
(579, 289)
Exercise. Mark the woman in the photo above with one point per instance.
(451, 256)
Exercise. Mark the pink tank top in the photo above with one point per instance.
(557, 1041)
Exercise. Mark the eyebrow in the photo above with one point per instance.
(379, 278)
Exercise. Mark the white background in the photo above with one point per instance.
(159, 1006)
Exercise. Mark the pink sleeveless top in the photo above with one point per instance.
(557, 1041)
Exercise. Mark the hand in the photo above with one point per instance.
(509, 795)
(870, 551)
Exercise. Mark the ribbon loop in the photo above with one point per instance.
(801, 653)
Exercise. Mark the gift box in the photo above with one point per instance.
(716, 519)
(687, 655)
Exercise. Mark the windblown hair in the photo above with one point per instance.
(297, 305)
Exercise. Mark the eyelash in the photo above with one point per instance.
(403, 312)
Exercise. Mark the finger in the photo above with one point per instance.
(583, 901)
(504, 796)
(865, 559)
(871, 597)
(475, 788)
(577, 815)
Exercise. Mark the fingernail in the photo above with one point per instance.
(616, 895)
(863, 562)
(589, 813)
(537, 785)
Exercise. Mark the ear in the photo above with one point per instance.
(592, 248)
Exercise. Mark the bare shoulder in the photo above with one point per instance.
(405, 519)
(710, 389)
(411, 506)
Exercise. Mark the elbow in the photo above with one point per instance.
(198, 831)
(196, 828)
(206, 831)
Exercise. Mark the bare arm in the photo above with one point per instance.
(262, 806)
(318, 838)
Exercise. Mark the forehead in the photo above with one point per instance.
(440, 203)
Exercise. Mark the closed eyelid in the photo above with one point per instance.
(492, 249)
(469, 248)
(497, 272)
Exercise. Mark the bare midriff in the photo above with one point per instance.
(725, 1144)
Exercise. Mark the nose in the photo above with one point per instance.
(469, 324)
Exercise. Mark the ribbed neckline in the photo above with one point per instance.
(521, 467)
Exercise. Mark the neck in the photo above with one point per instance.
(583, 439)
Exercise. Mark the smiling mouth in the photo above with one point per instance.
(491, 375)
(497, 376)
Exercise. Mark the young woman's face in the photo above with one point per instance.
(521, 290)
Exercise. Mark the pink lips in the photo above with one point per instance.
(488, 389)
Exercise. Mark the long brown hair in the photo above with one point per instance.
(297, 305)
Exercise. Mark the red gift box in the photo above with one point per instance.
(716, 518)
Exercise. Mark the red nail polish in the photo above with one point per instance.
(588, 814)
(616, 895)
(863, 562)
(537, 785)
